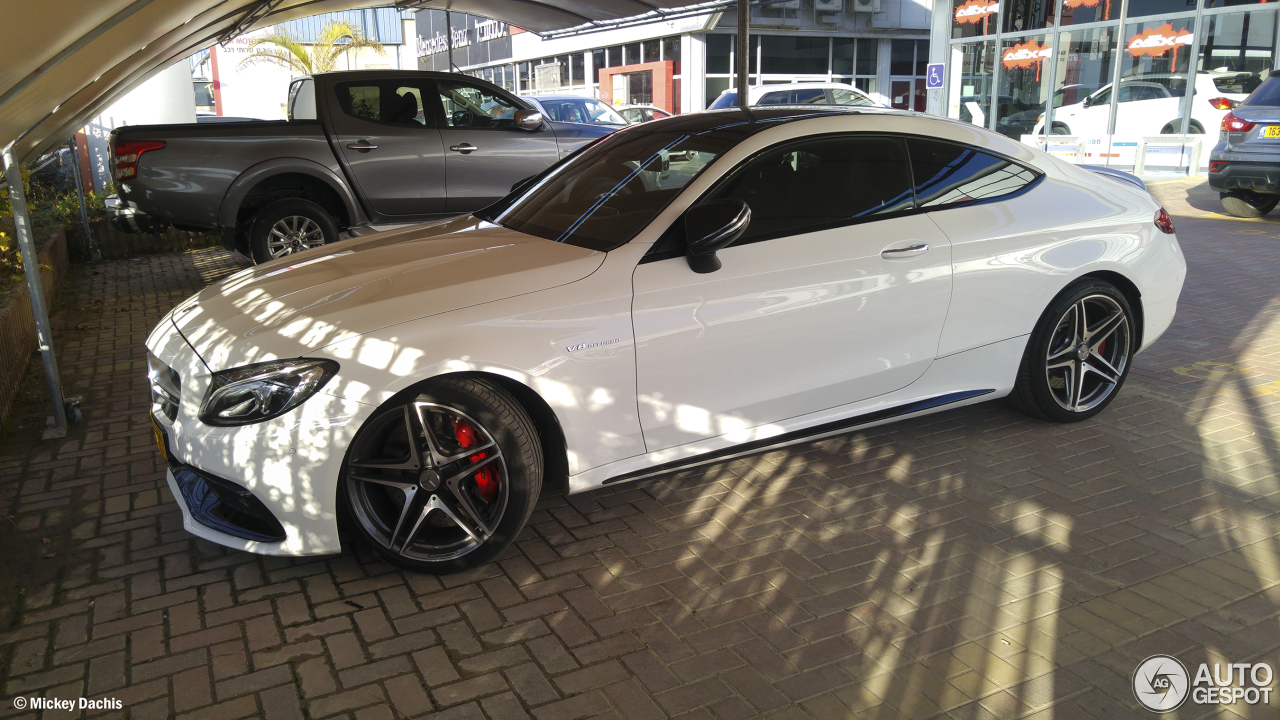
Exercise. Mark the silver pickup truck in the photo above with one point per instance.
(359, 148)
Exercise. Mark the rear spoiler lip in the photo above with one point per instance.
(1117, 175)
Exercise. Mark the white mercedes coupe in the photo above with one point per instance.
(678, 293)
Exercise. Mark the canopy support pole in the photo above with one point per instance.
(744, 18)
(31, 266)
(91, 253)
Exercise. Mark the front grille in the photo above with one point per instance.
(166, 387)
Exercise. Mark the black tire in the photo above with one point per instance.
(461, 518)
(1245, 204)
(297, 224)
(1046, 386)
(1060, 129)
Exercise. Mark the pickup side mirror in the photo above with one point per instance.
(712, 226)
(528, 120)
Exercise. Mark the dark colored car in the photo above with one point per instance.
(359, 149)
(1244, 166)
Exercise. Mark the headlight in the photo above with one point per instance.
(254, 393)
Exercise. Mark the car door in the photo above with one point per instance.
(485, 152)
(390, 143)
(836, 293)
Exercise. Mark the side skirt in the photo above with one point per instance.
(793, 438)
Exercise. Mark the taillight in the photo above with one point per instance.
(1223, 103)
(1217, 166)
(1231, 123)
(1164, 222)
(127, 154)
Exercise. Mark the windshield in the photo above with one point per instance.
(600, 198)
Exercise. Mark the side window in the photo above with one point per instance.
(808, 96)
(840, 96)
(815, 184)
(948, 174)
(782, 97)
(469, 106)
(390, 103)
(302, 100)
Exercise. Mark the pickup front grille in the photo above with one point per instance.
(166, 387)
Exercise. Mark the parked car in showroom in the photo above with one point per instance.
(575, 109)
(796, 274)
(642, 113)
(1244, 167)
(814, 93)
(1152, 105)
(359, 148)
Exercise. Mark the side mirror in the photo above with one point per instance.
(713, 226)
(528, 120)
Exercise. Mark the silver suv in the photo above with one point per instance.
(1244, 167)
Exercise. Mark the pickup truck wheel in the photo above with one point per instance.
(290, 226)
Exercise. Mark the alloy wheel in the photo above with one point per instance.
(427, 482)
(294, 233)
(1088, 353)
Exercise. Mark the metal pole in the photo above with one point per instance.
(31, 265)
(744, 16)
(90, 251)
(448, 28)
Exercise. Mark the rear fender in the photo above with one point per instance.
(250, 178)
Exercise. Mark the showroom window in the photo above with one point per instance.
(1153, 97)
(977, 76)
(1078, 12)
(1024, 84)
(973, 18)
(816, 184)
(1090, 64)
(947, 174)
(1022, 15)
(908, 60)
(793, 55)
(856, 61)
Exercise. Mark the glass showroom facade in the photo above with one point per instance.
(1053, 67)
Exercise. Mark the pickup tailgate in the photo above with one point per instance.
(184, 181)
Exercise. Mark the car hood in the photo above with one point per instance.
(289, 307)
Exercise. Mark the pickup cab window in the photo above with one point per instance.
(392, 103)
(469, 106)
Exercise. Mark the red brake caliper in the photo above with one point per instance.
(486, 478)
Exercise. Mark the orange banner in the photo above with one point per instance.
(1158, 41)
(975, 10)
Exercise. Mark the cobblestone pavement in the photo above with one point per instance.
(969, 565)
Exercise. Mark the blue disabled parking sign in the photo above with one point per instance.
(933, 80)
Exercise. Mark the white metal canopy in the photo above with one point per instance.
(63, 61)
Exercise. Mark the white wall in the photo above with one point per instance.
(167, 98)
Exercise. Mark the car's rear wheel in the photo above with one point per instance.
(1078, 356)
(1245, 204)
(1060, 129)
(444, 480)
(289, 226)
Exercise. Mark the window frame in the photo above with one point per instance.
(673, 244)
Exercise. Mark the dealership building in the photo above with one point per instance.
(683, 64)
(1048, 67)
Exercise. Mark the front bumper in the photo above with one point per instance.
(1263, 177)
(268, 488)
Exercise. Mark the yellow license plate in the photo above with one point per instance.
(155, 427)
(1271, 131)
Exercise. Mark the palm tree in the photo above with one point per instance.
(320, 57)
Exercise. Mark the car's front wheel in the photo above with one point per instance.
(1245, 204)
(1078, 355)
(444, 481)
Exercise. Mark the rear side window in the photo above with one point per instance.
(727, 100)
(950, 175)
(840, 96)
(391, 103)
(781, 97)
(1267, 94)
(822, 183)
(302, 100)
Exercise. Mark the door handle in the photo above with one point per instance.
(464, 148)
(904, 253)
(362, 146)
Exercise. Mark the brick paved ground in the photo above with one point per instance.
(970, 565)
